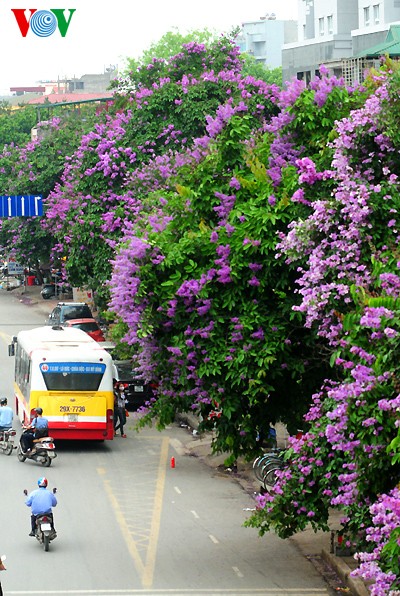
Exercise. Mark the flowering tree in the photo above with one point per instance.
(34, 167)
(197, 304)
(207, 304)
(253, 236)
(168, 46)
(196, 280)
(349, 291)
(163, 108)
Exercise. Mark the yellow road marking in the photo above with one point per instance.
(147, 580)
(145, 570)
(124, 529)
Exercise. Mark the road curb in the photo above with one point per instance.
(356, 585)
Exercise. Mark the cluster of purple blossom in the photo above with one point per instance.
(341, 248)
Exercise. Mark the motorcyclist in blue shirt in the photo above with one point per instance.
(6, 415)
(41, 501)
(38, 428)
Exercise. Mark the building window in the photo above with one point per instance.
(366, 16)
(376, 14)
(321, 26)
(329, 22)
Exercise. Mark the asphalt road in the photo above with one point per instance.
(129, 523)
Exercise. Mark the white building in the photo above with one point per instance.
(265, 38)
(338, 34)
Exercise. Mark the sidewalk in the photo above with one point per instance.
(30, 295)
(313, 545)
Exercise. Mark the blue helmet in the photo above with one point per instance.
(42, 482)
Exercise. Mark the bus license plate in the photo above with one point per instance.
(72, 417)
(139, 388)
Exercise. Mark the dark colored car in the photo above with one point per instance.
(89, 326)
(64, 311)
(137, 391)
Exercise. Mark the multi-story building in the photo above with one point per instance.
(374, 20)
(340, 35)
(265, 37)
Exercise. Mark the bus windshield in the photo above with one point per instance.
(72, 376)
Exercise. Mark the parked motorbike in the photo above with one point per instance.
(43, 453)
(44, 531)
(7, 441)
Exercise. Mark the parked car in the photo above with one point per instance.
(137, 391)
(90, 327)
(64, 311)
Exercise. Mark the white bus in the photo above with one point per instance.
(70, 376)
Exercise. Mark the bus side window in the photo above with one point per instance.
(22, 368)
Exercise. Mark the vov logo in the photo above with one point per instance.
(43, 23)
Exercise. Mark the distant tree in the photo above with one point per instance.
(168, 46)
(16, 125)
(35, 168)
(5, 107)
(253, 68)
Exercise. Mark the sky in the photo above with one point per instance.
(102, 33)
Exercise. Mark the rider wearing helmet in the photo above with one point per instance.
(41, 501)
(38, 428)
(6, 415)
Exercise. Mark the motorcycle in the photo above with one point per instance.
(43, 453)
(7, 441)
(44, 531)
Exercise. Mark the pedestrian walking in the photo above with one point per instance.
(120, 410)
